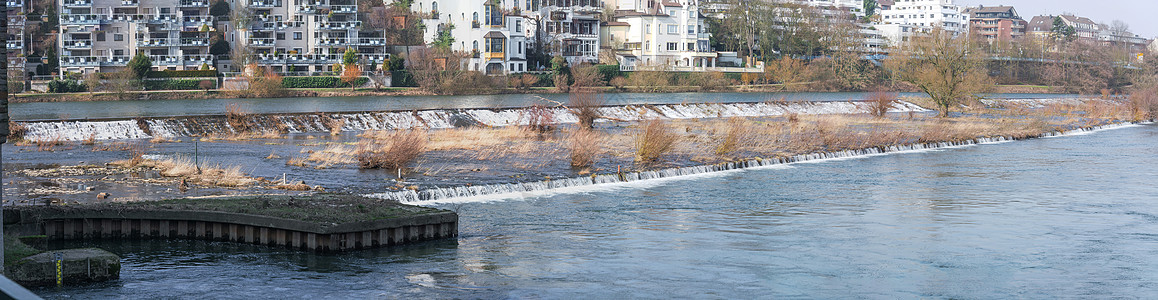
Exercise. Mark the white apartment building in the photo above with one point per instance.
(670, 34)
(15, 43)
(500, 34)
(102, 35)
(901, 18)
(300, 37)
(856, 7)
(494, 37)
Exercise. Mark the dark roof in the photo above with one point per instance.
(972, 11)
(495, 35)
(886, 3)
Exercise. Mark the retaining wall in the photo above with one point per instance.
(242, 228)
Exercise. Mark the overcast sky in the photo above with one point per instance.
(1140, 14)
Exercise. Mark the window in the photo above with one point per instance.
(673, 29)
(119, 52)
(647, 29)
(691, 47)
(100, 37)
(691, 29)
(118, 37)
(520, 47)
(297, 35)
(475, 43)
(281, 36)
(298, 50)
(672, 47)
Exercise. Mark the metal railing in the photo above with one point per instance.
(194, 42)
(181, 59)
(77, 3)
(14, 45)
(261, 42)
(77, 43)
(265, 3)
(130, 2)
(157, 42)
(81, 19)
(193, 3)
(339, 25)
(197, 19)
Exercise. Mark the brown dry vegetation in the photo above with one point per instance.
(654, 140)
(392, 150)
(184, 168)
(584, 146)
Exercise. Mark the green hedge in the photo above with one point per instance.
(609, 72)
(172, 84)
(65, 86)
(402, 79)
(182, 74)
(315, 82)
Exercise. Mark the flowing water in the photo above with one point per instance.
(187, 107)
(1064, 217)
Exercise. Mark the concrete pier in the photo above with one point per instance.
(234, 227)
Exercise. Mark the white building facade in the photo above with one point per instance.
(301, 37)
(494, 37)
(663, 34)
(901, 18)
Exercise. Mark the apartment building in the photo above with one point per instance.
(1084, 28)
(495, 36)
(301, 37)
(103, 35)
(902, 18)
(667, 33)
(571, 26)
(996, 23)
(16, 44)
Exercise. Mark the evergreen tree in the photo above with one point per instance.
(140, 65)
(350, 57)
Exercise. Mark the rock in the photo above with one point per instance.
(78, 266)
(103, 196)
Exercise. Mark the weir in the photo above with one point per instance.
(442, 194)
(185, 126)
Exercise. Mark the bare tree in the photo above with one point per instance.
(947, 69)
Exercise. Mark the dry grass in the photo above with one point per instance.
(297, 162)
(184, 168)
(1144, 104)
(393, 150)
(736, 133)
(584, 145)
(159, 139)
(335, 125)
(541, 119)
(656, 139)
(90, 140)
(333, 155)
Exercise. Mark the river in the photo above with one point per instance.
(1065, 217)
(188, 107)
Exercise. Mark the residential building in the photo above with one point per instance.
(901, 18)
(996, 23)
(571, 27)
(306, 36)
(1084, 28)
(102, 35)
(667, 33)
(490, 31)
(16, 44)
(854, 7)
(1087, 30)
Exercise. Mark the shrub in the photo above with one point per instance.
(585, 105)
(650, 81)
(237, 118)
(609, 72)
(618, 82)
(393, 153)
(709, 81)
(880, 102)
(206, 85)
(65, 86)
(540, 118)
(140, 64)
(655, 140)
(316, 82)
(584, 145)
(401, 78)
(16, 131)
(182, 73)
(172, 84)
(586, 76)
(562, 83)
(735, 132)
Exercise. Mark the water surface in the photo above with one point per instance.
(1067, 217)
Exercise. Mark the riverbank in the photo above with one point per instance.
(415, 91)
(473, 150)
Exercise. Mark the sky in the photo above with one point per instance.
(1138, 13)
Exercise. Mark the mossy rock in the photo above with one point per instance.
(77, 266)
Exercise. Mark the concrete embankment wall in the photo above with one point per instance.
(233, 227)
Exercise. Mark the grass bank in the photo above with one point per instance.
(318, 208)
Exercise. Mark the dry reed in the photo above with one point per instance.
(656, 139)
(395, 151)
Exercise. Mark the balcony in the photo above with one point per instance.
(160, 18)
(77, 44)
(15, 45)
(333, 42)
(196, 20)
(193, 3)
(269, 26)
(343, 9)
(370, 42)
(16, 21)
(130, 2)
(339, 25)
(81, 61)
(194, 42)
(156, 43)
(261, 42)
(14, 3)
(77, 3)
(265, 4)
(81, 19)
(181, 60)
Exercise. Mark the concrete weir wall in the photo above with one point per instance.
(242, 228)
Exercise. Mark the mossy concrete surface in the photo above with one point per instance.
(77, 266)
